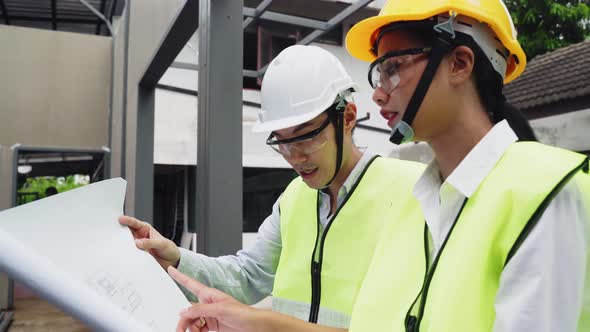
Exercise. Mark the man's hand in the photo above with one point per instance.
(216, 311)
(148, 239)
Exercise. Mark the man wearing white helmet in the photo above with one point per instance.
(313, 251)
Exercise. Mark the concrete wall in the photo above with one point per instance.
(54, 88)
(568, 130)
(148, 22)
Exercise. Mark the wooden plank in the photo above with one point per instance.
(36, 315)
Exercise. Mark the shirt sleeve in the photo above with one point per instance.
(247, 276)
(543, 285)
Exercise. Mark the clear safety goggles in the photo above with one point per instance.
(385, 72)
(305, 144)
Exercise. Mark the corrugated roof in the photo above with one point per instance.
(561, 75)
(61, 15)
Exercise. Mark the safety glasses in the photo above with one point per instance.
(305, 144)
(385, 72)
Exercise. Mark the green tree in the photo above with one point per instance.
(34, 187)
(545, 25)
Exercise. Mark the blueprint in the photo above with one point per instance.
(71, 250)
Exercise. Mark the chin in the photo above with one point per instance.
(314, 184)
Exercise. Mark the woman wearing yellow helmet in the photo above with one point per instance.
(504, 246)
(505, 243)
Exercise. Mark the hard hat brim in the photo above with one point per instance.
(270, 126)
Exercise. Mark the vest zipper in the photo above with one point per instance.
(413, 322)
(318, 252)
(411, 319)
(316, 273)
(316, 269)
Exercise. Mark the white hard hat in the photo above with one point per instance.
(299, 84)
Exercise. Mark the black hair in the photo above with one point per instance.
(334, 113)
(489, 85)
(488, 82)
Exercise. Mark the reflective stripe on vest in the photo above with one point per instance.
(458, 293)
(345, 248)
(301, 310)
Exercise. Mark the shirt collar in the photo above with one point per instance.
(355, 173)
(480, 161)
(476, 165)
(358, 169)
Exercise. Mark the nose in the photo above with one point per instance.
(296, 156)
(380, 97)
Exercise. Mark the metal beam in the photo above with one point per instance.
(260, 9)
(178, 89)
(178, 34)
(46, 12)
(103, 4)
(353, 8)
(127, 17)
(364, 118)
(375, 129)
(262, 70)
(54, 14)
(331, 24)
(100, 16)
(251, 73)
(6, 17)
(184, 26)
(368, 127)
(219, 144)
(288, 19)
(196, 93)
(120, 7)
(184, 65)
(144, 153)
(48, 19)
(193, 66)
(112, 11)
(6, 178)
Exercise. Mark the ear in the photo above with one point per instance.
(461, 60)
(349, 117)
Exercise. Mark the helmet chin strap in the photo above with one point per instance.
(403, 132)
(339, 119)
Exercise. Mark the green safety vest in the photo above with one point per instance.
(459, 290)
(321, 271)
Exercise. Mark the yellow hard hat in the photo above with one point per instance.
(493, 13)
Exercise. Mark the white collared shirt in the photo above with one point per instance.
(542, 286)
